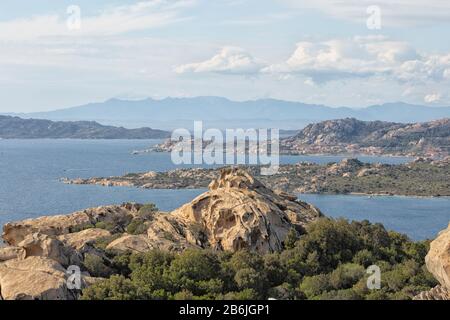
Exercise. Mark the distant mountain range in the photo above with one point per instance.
(17, 128)
(352, 136)
(217, 112)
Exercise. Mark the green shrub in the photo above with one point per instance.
(313, 286)
(110, 226)
(246, 294)
(136, 227)
(103, 242)
(291, 239)
(147, 211)
(115, 288)
(81, 227)
(346, 275)
(96, 266)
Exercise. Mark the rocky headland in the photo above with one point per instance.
(421, 177)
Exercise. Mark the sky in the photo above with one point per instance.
(57, 54)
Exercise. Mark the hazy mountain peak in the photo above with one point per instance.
(219, 112)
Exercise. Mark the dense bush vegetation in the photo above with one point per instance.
(329, 262)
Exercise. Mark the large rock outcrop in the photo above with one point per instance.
(438, 263)
(237, 212)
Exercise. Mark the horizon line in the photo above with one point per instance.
(224, 98)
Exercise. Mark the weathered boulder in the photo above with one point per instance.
(237, 212)
(119, 216)
(34, 278)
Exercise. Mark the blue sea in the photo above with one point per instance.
(30, 173)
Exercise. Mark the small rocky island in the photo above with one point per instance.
(421, 177)
(237, 227)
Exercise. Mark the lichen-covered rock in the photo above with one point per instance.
(34, 278)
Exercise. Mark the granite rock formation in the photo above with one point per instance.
(438, 263)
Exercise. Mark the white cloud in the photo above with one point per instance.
(393, 13)
(432, 98)
(117, 20)
(363, 57)
(230, 60)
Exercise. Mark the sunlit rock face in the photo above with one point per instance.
(438, 263)
(237, 212)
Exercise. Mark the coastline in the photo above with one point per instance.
(419, 178)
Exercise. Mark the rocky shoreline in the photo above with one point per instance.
(422, 177)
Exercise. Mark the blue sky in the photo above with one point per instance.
(314, 51)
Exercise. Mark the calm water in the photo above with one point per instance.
(420, 218)
(30, 171)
